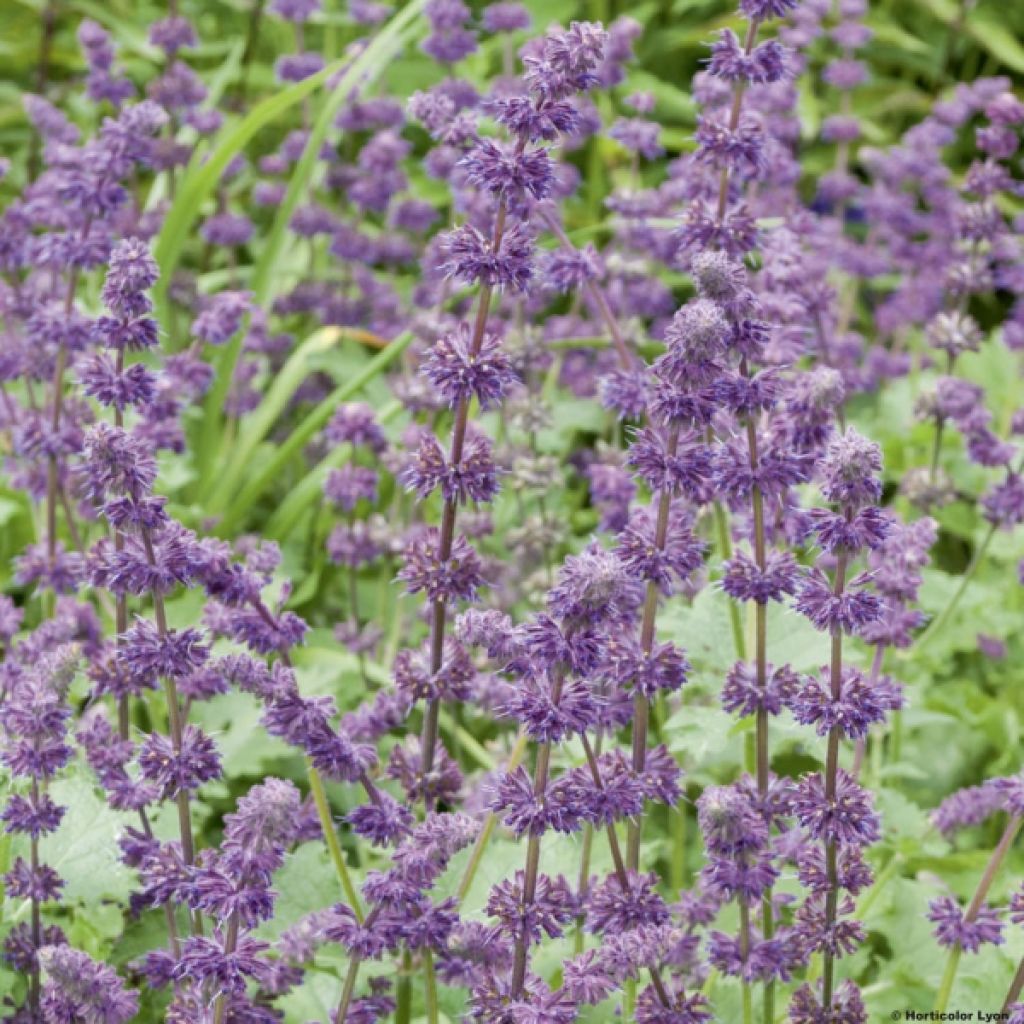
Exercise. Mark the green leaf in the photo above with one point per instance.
(360, 74)
(367, 67)
(232, 719)
(993, 35)
(202, 179)
(84, 850)
(260, 422)
(306, 429)
(306, 882)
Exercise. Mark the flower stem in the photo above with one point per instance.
(433, 1013)
(480, 846)
(429, 731)
(176, 728)
(988, 876)
(948, 976)
(347, 990)
(1013, 992)
(725, 550)
(37, 924)
(596, 294)
(641, 703)
(831, 775)
(230, 941)
(403, 990)
(323, 810)
(940, 620)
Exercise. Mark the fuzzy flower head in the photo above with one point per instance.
(460, 370)
(850, 470)
(729, 821)
(566, 62)
(717, 275)
(76, 988)
(594, 587)
(953, 929)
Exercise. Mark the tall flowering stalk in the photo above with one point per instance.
(832, 807)
(733, 144)
(468, 363)
(557, 657)
(151, 554)
(33, 719)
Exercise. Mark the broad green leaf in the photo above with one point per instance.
(84, 850)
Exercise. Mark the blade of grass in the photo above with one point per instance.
(309, 488)
(260, 422)
(199, 183)
(304, 431)
(361, 72)
(262, 419)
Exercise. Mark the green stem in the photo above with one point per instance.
(942, 618)
(433, 1014)
(403, 990)
(487, 831)
(347, 990)
(678, 866)
(323, 810)
(995, 861)
(629, 999)
(946, 986)
(588, 846)
(748, 1006)
(725, 550)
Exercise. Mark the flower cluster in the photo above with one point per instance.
(402, 490)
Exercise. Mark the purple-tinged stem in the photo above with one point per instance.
(348, 987)
(621, 874)
(641, 703)
(988, 876)
(596, 294)
(1013, 992)
(124, 710)
(761, 621)
(831, 775)
(174, 719)
(37, 924)
(230, 941)
(439, 612)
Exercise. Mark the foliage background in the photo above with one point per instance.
(964, 722)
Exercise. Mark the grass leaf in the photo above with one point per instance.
(306, 429)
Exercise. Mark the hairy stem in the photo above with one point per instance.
(37, 924)
(230, 942)
(490, 823)
(940, 620)
(1013, 992)
(176, 727)
(348, 989)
